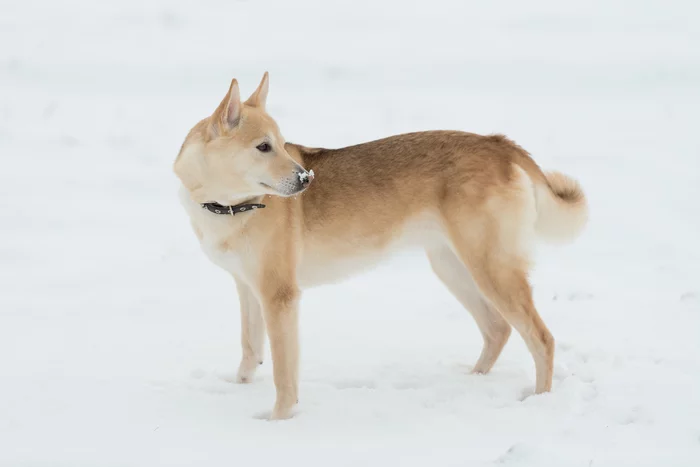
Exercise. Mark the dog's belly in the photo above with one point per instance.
(318, 271)
(329, 262)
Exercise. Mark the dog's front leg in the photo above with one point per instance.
(252, 333)
(281, 311)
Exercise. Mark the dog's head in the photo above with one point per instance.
(238, 152)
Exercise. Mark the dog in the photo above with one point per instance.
(281, 217)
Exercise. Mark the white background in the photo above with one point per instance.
(117, 336)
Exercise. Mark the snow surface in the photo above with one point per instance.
(118, 337)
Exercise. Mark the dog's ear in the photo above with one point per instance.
(259, 97)
(227, 115)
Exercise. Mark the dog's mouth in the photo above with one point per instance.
(289, 187)
(283, 191)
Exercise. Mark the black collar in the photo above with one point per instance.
(217, 208)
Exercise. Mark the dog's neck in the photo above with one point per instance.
(208, 208)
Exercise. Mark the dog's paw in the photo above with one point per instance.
(480, 369)
(282, 413)
(246, 371)
(245, 376)
(275, 414)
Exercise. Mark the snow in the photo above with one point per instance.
(118, 338)
(304, 176)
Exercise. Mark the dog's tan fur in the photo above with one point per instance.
(475, 203)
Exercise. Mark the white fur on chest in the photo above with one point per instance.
(214, 230)
(230, 261)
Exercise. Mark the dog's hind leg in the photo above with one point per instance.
(500, 273)
(494, 240)
(252, 334)
(506, 286)
(494, 329)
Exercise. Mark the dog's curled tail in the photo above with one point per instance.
(562, 209)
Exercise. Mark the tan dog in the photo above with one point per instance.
(475, 203)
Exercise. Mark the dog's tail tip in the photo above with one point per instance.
(562, 208)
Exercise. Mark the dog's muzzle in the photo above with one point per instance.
(297, 183)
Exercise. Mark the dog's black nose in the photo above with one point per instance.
(306, 177)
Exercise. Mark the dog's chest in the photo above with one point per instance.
(229, 260)
(215, 237)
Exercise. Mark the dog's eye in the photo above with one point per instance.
(264, 147)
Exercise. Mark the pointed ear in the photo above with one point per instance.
(259, 97)
(227, 115)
